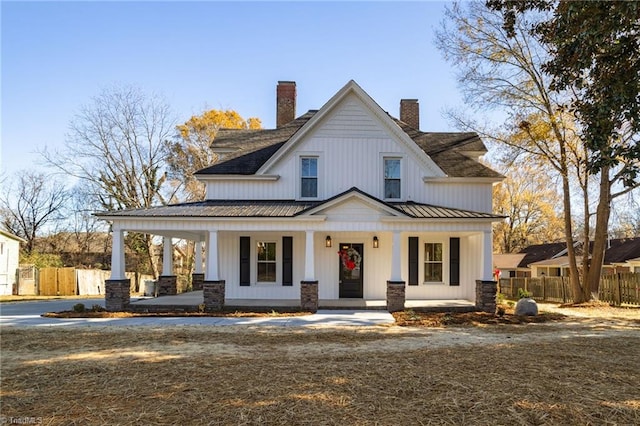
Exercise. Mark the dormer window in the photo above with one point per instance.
(392, 181)
(309, 177)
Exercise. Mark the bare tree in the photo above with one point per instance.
(31, 202)
(116, 149)
(504, 72)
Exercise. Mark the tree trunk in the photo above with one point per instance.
(601, 235)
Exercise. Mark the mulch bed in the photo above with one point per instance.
(411, 318)
(231, 314)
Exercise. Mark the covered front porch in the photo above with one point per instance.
(193, 300)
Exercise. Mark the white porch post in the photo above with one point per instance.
(117, 255)
(396, 257)
(198, 257)
(487, 256)
(211, 273)
(309, 258)
(167, 256)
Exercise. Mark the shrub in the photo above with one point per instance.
(98, 308)
(523, 294)
(79, 307)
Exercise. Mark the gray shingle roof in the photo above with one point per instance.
(254, 147)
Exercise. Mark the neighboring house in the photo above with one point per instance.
(551, 260)
(508, 266)
(9, 260)
(344, 202)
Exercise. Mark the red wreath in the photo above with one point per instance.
(350, 258)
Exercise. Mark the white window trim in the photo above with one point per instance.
(254, 260)
(316, 155)
(403, 177)
(445, 261)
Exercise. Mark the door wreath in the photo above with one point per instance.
(350, 258)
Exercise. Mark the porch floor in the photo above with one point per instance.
(195, 298)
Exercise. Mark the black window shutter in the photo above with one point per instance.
(454, 261)
(287, 261)
(245, 261)
(413, 260)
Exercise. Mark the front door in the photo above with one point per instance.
(351, 267)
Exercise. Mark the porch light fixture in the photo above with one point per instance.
(375, 241)
(327, 241)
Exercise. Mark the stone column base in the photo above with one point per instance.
(196, 281)
(213, 293)
(167, 285)
(395, 296)
(486, 295)
(117, 295)
(309, 296)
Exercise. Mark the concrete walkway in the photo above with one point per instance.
(324, 318)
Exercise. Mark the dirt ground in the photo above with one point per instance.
(579, 367)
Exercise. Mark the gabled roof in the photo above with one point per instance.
(255, 149)
(618, 251)
(12, 236)
(291, 208)
(539, 252)
(622, 249)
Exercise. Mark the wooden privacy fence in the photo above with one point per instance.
(68, 281)
(615, 288)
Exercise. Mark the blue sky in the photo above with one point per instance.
(202, 55)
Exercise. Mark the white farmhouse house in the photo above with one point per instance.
(9, 260)
(344, 202)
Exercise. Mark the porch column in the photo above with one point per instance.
(395, 286)
(486, 288)
(198, 276)
(309, 286)
(396, 258)
(117, 289)
(213, 288)
(211, 273)
(198, 257)
(487, 256)
(117, 256)
(309, 258)
(167, 282)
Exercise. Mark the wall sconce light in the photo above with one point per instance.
(375, 242)
(327, 241)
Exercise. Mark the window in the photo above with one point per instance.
(392, 178)
(266, 256)
(309, 176)
(433, 262)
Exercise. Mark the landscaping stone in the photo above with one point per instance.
(526, 306)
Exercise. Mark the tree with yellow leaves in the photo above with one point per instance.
(532, 208)
(191, 151)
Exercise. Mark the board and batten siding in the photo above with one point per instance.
(376, 261)
(351, 145)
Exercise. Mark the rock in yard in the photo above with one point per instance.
(526, 306)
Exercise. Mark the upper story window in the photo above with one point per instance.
(392, 181)
(309, 177)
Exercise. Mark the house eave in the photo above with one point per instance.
(465, 180)
(238, 177)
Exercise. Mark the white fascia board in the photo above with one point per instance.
(205, 178)
(440, 220)
(471, 180)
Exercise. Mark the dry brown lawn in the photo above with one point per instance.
(579, 370)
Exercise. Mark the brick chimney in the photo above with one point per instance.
(410, 112)
(286, 102)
